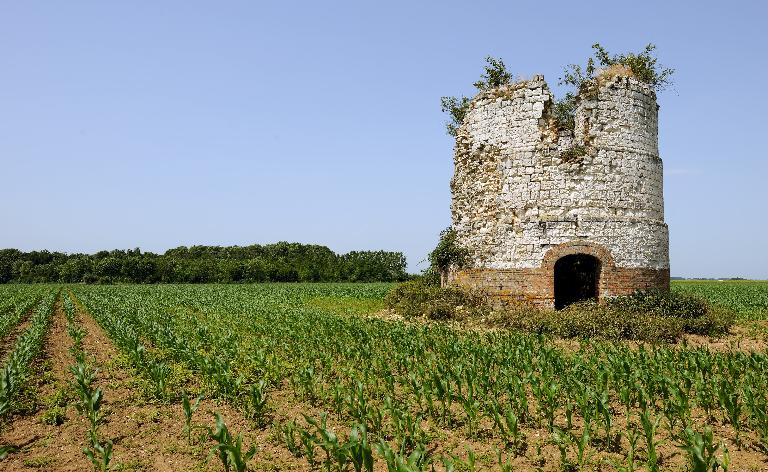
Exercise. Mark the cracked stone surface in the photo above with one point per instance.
(522, 186)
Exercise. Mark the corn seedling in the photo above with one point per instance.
(649, 430)
(288, 432)
(702, 451)
(328, 442)
(189, 409)
(257, 401)
(358, 449)
(416, 461)
(229, 451)
(100, 454)
(90, 399)
(158, 374)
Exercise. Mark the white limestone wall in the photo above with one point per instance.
(519, 188)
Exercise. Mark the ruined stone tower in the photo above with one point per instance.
(554, 216)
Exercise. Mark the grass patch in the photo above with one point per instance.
(39, 462)
(56, 406)
(748, 298)
(346, 306)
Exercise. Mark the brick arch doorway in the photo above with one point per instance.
(576, 278)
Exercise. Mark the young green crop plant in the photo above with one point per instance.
(230, 451)
(649, 430)
(508, 426)
(702, 451)
(632, 436)
(7, 388)
(288, 433)
(358, 449)
(730, 400)
(90, 399)
(563, 443)
(582, 446)
(89, 404)
(77, 334)
(189, 409)
(416, 461)
(327, 440)
(454, 463)
(158, 374)
(100, 454)
(257, 396)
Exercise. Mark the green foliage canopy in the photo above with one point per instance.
(279, 262)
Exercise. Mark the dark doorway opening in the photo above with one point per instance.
(576, 278)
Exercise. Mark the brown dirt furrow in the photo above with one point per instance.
(42, 446)
(146, 437)
(150, 436)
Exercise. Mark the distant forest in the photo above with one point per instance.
(280, 262)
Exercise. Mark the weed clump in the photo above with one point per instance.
(573, 154)
(651, 315)
(695, 315)
(418, 298)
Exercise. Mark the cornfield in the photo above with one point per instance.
(312, 372)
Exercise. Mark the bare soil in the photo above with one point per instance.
(42, 446)
(147, 436)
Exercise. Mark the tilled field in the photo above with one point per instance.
(300, 377)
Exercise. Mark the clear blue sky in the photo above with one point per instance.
(158, 124)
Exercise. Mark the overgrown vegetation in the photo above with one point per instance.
(564, 112)
(574, 153)
(495, 75)
(620, 319)
(695, 315)
(419, 298)
(457, 108)
(603, 65)
(643, 66)
(644, 316)
(447, 254)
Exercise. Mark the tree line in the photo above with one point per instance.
(279, 262)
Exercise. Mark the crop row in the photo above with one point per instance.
(16, 301)
(401, 382)
(17, 365)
